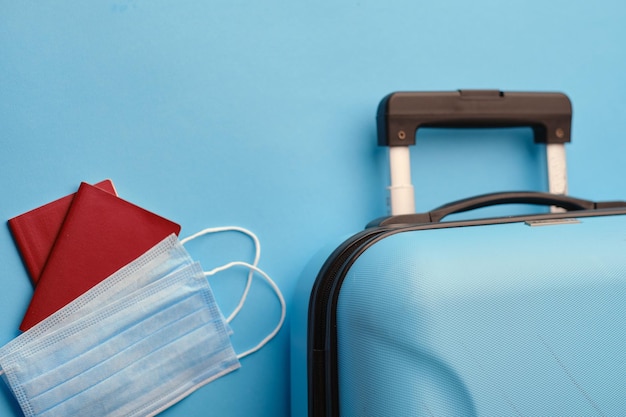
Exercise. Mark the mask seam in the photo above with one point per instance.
(20, 395)
(160, 348)
(95, 365)
(144, 406)
(189, 391)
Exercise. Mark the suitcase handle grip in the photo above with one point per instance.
(493, 199)
(524, 197)
(401, 114)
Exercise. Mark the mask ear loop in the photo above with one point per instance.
(281, 299)
(257, 255)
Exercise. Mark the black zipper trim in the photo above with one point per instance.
(319, 333)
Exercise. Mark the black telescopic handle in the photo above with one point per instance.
(401, 114)
(493, 199)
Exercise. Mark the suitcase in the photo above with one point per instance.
(520, 315)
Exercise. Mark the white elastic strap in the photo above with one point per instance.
(283, 305)
(257, 255)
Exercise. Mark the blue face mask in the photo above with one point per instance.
(152, 343)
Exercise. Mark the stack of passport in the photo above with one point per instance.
(73, 243)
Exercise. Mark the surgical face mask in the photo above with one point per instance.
(136, 355)
(133, 357)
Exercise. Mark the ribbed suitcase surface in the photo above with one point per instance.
(498, 320)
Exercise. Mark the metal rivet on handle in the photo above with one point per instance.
(401, 135)
(560, 133)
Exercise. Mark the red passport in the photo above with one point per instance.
(101, 234)
(35, 231)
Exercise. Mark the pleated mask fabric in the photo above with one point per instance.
(136, 356)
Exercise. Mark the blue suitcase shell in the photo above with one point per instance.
(509, 316)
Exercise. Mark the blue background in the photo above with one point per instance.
(262, 114)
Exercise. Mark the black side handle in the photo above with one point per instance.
(401, 114)
(486, 200)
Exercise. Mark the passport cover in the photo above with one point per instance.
(35, 231)
(101, 234)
